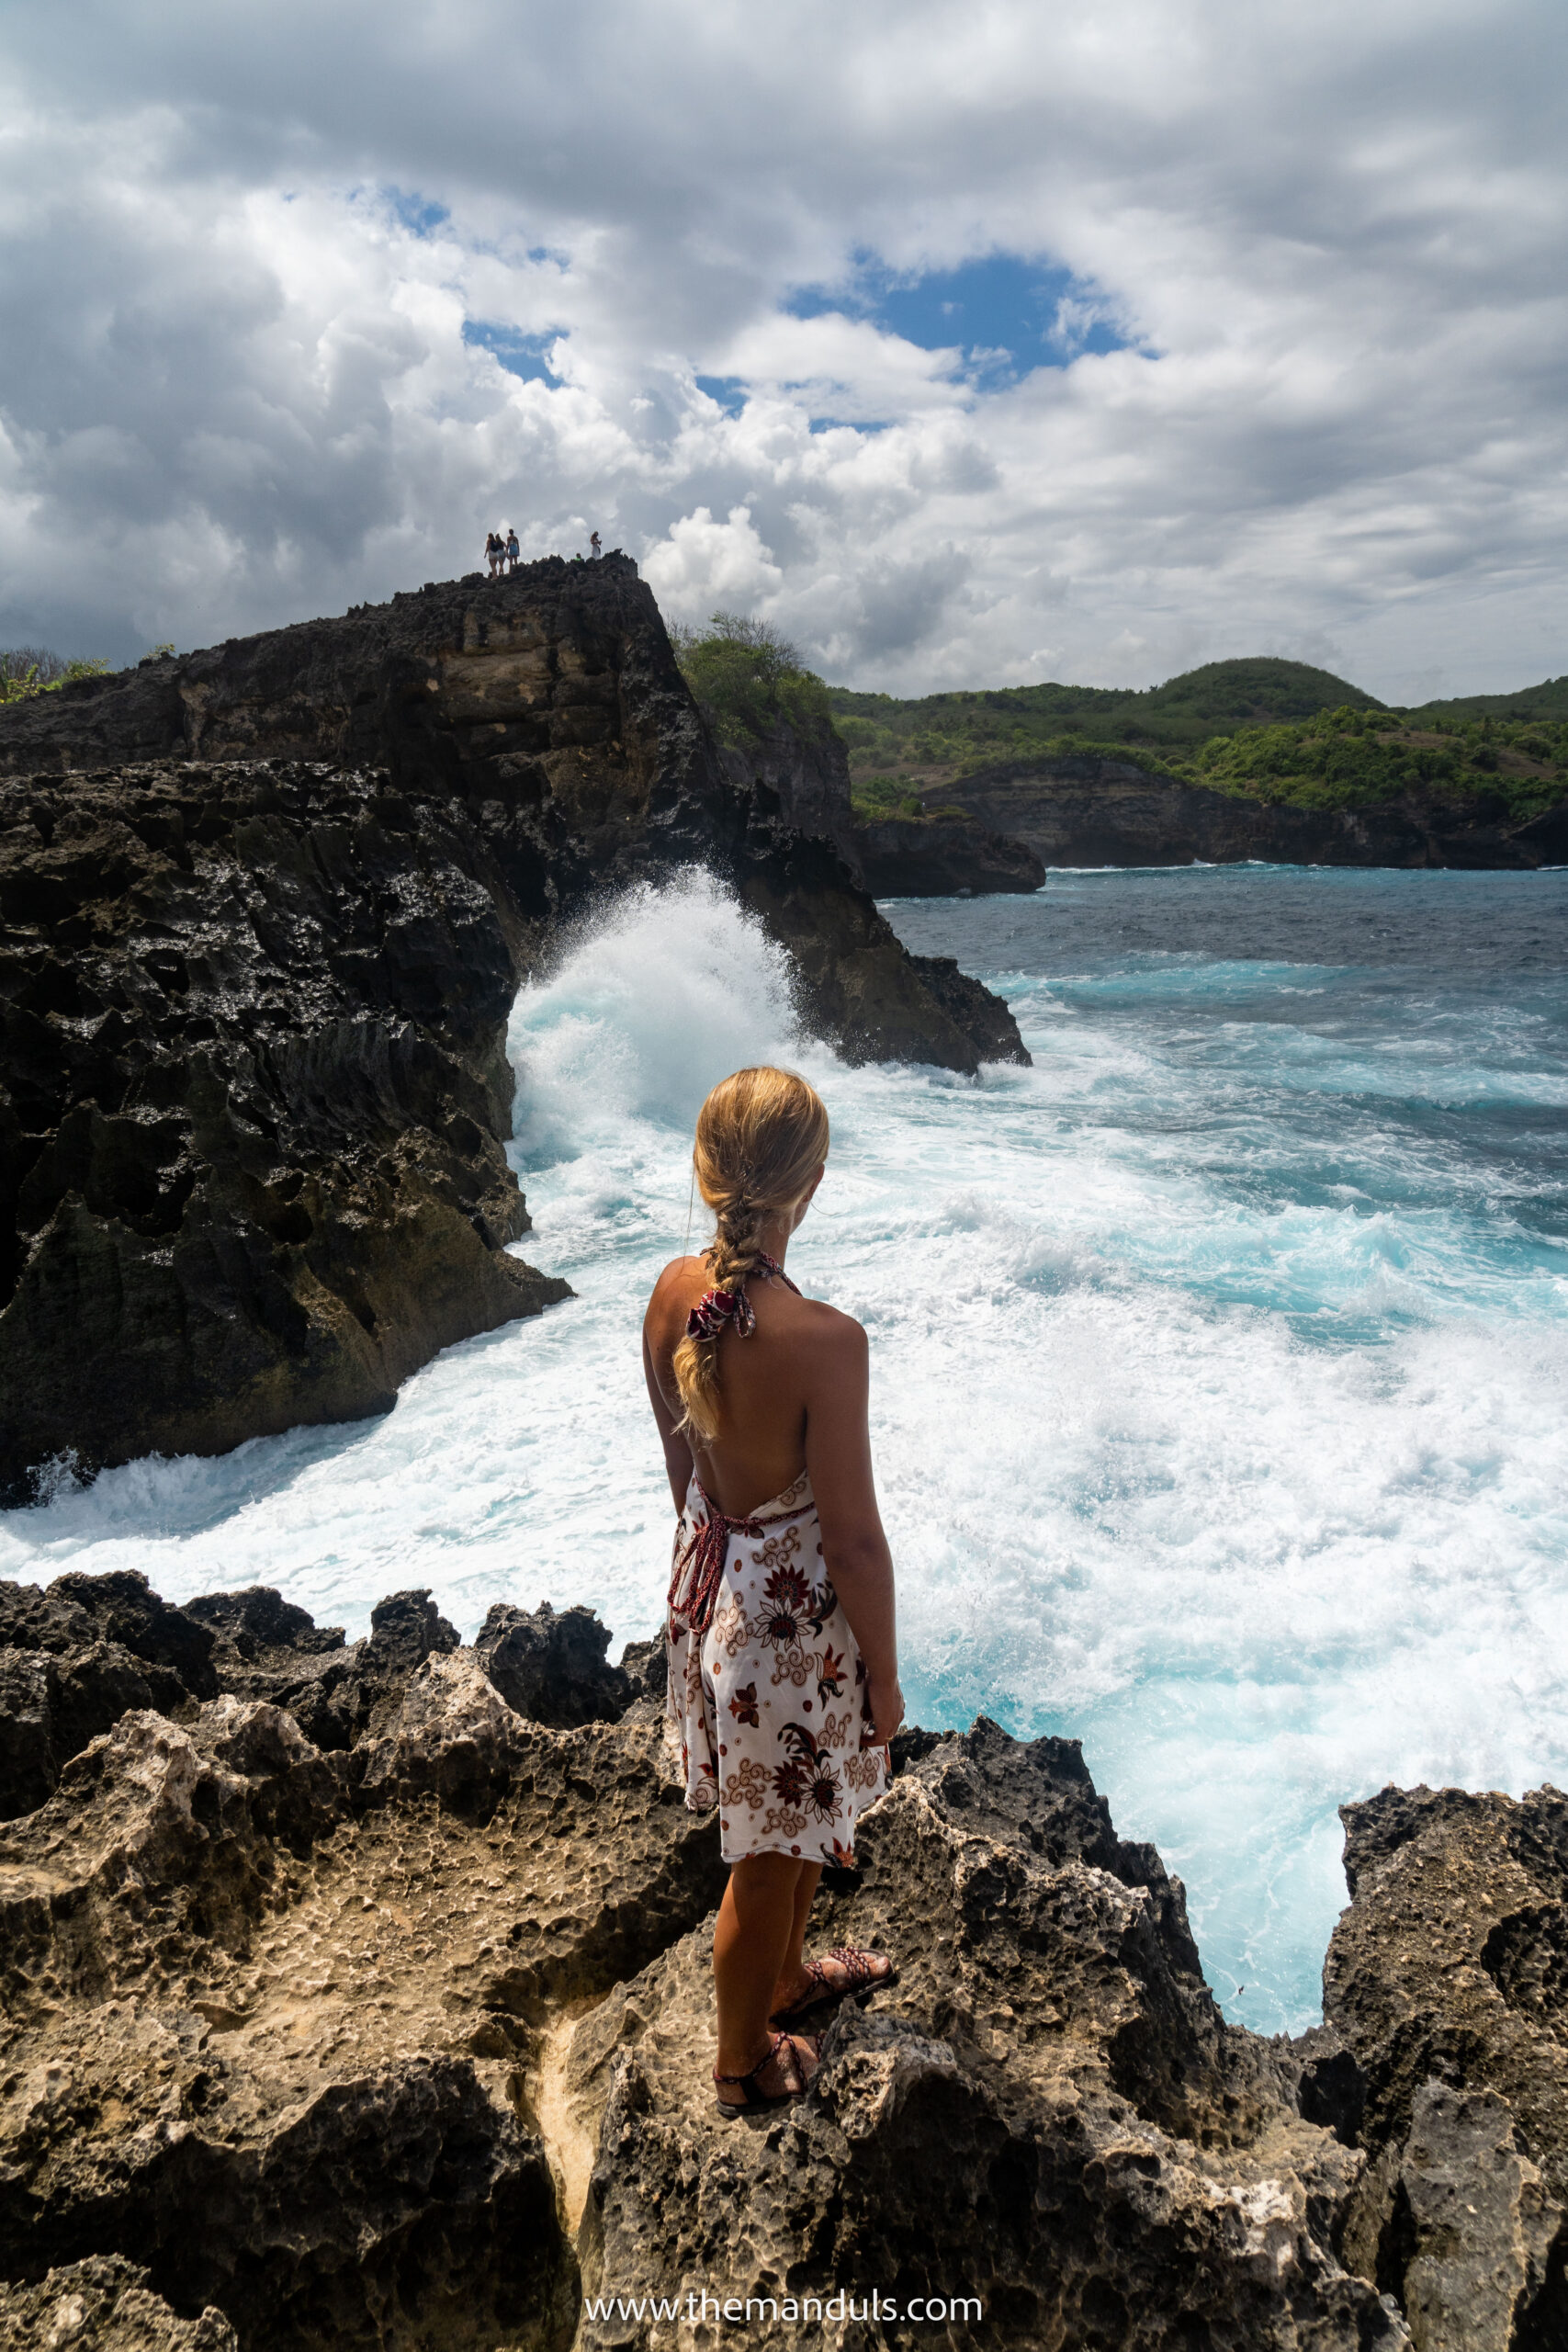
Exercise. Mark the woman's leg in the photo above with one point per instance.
(756, 1923)
(792, 1969)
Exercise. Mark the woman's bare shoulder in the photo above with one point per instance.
(829, 1329)
(676, 1284)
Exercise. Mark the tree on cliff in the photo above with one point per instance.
(748, 676)
(33, 670)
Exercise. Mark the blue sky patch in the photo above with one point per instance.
(417, 213)
(1006, 315)
(519, 354)
(730, 391)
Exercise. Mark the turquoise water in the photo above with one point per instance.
(1219, 1360)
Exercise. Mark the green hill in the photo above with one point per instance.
(1359, 758)
(954, 733)
(1265, 730)
(1549, 700)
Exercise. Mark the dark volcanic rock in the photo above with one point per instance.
(947, 854)
(120, 1608)
(1085, 810)
(803, 773)
(1447, 1980)
(254, 991)
(552, 1667)
(985, 1018)
(73, 1658)
(61, 1683)
(252, 1025)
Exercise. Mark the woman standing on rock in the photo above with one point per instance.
(783, 1664)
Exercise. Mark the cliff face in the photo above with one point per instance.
(252, 1173)
(806, 770)
(1091, 811)
(944, 855)
(407, 2041)
(253, 993)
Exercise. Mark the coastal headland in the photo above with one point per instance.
(357, 1994)
(267, 909)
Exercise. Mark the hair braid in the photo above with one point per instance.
(761, 1136)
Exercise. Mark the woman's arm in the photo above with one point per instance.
(855, 1548)
(677, 1453)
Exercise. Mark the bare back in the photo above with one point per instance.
(794, 1397)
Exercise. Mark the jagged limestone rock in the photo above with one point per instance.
(269, 2014)
(103, 2305)
(551, 1666)
(409, 2041)
(1447, 1980)
(1047, 2111)
(73, 1684)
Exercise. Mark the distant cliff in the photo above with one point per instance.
(265, 909)
(1087, 808)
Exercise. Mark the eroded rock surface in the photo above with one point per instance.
(271, 2016)
(1447, 1980)
(1047, 2111)
(405, 2041)
(76, 1656)
(103, 2305)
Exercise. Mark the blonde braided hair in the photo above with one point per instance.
(761, 1136)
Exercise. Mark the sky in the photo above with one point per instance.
(972, 344)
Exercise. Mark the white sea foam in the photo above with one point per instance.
(1226, 1439)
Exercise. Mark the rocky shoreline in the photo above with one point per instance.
(266, 908)
(357, 1994)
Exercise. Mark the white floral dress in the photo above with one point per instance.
(768, 1712)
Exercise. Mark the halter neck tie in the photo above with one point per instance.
(718, 1308)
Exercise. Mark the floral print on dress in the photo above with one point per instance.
(797, 1771)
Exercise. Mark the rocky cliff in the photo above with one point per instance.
(398, 2035)
(947, 854)
(804, 772)
(1085, 810)
(265, 909)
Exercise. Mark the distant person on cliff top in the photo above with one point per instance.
(495, 547)
(783, 1651)
(593, 547)
(514, 552)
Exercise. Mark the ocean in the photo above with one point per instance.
(1219, 1361)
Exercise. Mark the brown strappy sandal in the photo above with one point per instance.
(752, 2095)
(859, 1977)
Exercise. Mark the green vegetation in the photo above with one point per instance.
(1274, 730)
(749, 677)
(958, 733)
(29, 670)
(1549, 700)
(1354, 758)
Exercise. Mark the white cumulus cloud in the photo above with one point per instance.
(296, 301)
